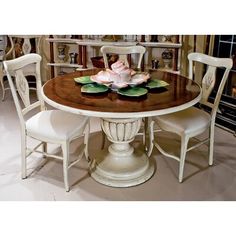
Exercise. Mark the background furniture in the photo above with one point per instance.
(174, 44)
(52, 126)
(25, 44)
(193, 121)
(55, 42)
(70, 43)
(121, 165)
(22, 45)
(3, 56)
(85, 44)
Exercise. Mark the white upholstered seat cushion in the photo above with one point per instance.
(55, 125)
(189, 121)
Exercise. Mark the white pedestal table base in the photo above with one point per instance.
(121, 165)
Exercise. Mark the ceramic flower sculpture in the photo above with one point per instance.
(119, 76)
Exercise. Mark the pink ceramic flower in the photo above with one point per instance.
(123, 71)
(120, 76)
(118, 66)
(105, 77)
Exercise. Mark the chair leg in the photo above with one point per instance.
(23, 156)
(151, 138)
(86, 139)
(211, 144)
(65, 151)
(145, 132)
(44, 148)
(3, 88)
(184, 145)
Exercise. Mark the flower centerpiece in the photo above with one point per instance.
(120, 76)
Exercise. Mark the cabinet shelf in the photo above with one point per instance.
(62, 40)
(164, 69)
(90, 42)
(82, 51)
(69, 65)
(64, 65)
(100, 43)
(161, 44)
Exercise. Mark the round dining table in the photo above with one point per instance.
(121, 165)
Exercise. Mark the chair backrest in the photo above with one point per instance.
(209, 79)
(15, 68)
(123, 52)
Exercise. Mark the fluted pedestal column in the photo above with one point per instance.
(121, 165)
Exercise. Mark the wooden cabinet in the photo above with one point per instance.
(55, 60)
(81, 44)
(173, 46)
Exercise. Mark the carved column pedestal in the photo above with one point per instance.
(121, 165)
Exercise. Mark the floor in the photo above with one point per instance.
(45, 180)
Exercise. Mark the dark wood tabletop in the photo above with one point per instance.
(65, 91)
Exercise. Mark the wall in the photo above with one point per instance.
(197, 43)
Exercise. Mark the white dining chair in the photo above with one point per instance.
(4, 56)
(25, 49)
(194, 121)
(46, 126)
(122, 52)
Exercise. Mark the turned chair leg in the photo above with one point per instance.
(145, 132)
(44, 148)
(211, 145)
(86, 140)
(184, 146)
(3, 88)
(23, 156)
(65, 151)
(151, 138)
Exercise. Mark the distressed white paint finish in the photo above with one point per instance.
(121, 165)
(22, 87)
(116, 131)
(53, 126)
(191, 122)
(208, 83)
(117, 127)
(113, 170)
